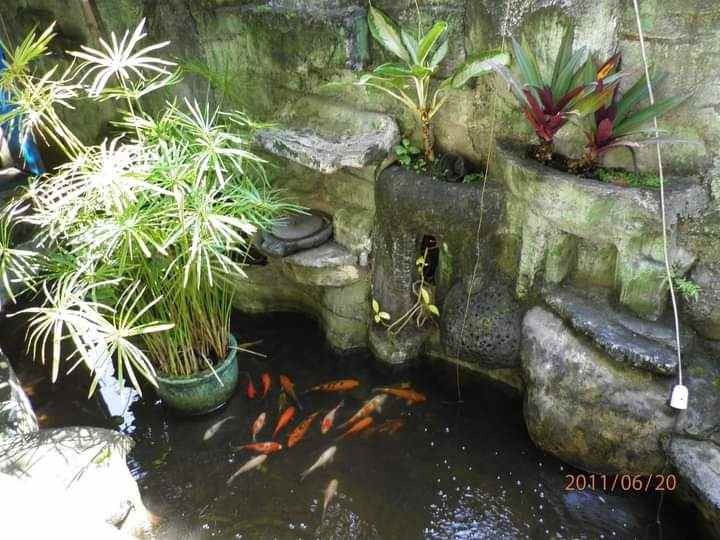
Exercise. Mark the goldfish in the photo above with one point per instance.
(258, 425)
(327, 422)
(299, 432)
(263, 447)
(407, 394)
(391, 426)
(212, 430)
(251, 388)
(284, 420)
(266, 382)
(254, 463)
(330, 492)
(343, 385)
(325, 458)
(357, 427)
(289, 388)
(369, 407)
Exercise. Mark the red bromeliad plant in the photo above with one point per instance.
(550, 105)
(619, 123)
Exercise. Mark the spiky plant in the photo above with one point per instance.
(142, 234)
(549, 104)
(411, 81)
(622, 122)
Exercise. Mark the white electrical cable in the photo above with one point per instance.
(662, 194)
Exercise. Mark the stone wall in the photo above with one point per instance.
(276, 51)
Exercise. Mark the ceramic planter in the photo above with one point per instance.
(202, 392)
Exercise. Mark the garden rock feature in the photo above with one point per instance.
(295, 233)
(410, 207)
(625, 338)
(698, 463)
(491, 334)
(84, 467)
(602, 415)
(553, 210)
(16, 414)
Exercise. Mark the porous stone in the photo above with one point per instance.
(329, 265)
(601, 415)
(705, 311)
(490, 332)
(698, 463)
(353, 229)
(627, 339)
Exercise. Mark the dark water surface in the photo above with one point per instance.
(464, 470)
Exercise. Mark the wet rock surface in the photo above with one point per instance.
(698, 463)
(603, 415)
(641, 344)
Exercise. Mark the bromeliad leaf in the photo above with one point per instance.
(635, 121)
(383, 29)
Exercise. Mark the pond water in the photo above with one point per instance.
(454, 470)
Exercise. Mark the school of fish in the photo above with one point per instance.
(362, 421)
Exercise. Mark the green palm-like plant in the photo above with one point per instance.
(410, 81)
(142, 234)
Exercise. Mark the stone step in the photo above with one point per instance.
(327, 136)
(642, 344)
(328, 265)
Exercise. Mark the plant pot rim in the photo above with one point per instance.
(191, 379)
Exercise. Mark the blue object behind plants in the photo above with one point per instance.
(24, 151)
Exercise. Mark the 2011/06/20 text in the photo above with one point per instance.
(621, 482)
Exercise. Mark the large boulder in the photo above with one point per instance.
(606, 415)
(80, 469)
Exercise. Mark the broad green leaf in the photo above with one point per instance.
(432, 308)
(384, 30)
(375, 306)
(429, 40)
(411, 44)
(563, 57)
(634, 95)
(439, 55)
(634, 121)
(562, 84)
(425, 295)
(392, 70)
(527, 64)
(421, 72)
(384, 315)
(479, 65)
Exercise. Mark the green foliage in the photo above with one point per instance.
(420, 55)
(686, 287)
(409, 156)
(143, 234)
(473, 178)
(628, 178)
(423, 310)
(574, 90)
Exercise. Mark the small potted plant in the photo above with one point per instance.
(411, 80)
(139, 234)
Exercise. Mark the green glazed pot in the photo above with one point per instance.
(202, 393)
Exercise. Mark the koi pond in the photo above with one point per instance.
(444, 470)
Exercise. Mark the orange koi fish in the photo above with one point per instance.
(251, 388)
(284, 420)
(299, 432)
(266, 382)
(344, 385)
(369, 407)
(258, 425)
(357, 427)
(407, 394)
(263, 447)
(289, 388)
(329, 419)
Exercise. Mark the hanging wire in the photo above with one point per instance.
(476, 267)
(662, 195)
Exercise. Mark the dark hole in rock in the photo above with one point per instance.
(430, 244)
